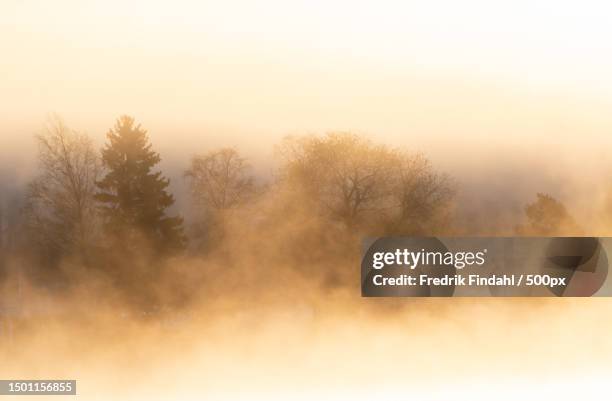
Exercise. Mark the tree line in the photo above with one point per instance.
(90, 207)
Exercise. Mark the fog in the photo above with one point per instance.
(508, 101)
(267, 321)
(264, 324)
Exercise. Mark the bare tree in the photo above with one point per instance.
(61, 211)
(347, 174)
(220, 180)
(423, 196)
(358, 182)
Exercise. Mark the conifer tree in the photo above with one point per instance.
(134, 197)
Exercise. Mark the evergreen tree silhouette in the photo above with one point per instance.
(134, 197)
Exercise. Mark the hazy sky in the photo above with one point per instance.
(468, 82)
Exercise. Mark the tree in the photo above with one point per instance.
(134, 198)
(363, 184)
(423, 196)
(547, 216)
(220, 180)
(345, 173)
(60, 210)
(3, 246)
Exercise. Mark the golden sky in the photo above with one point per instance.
(434, 76)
